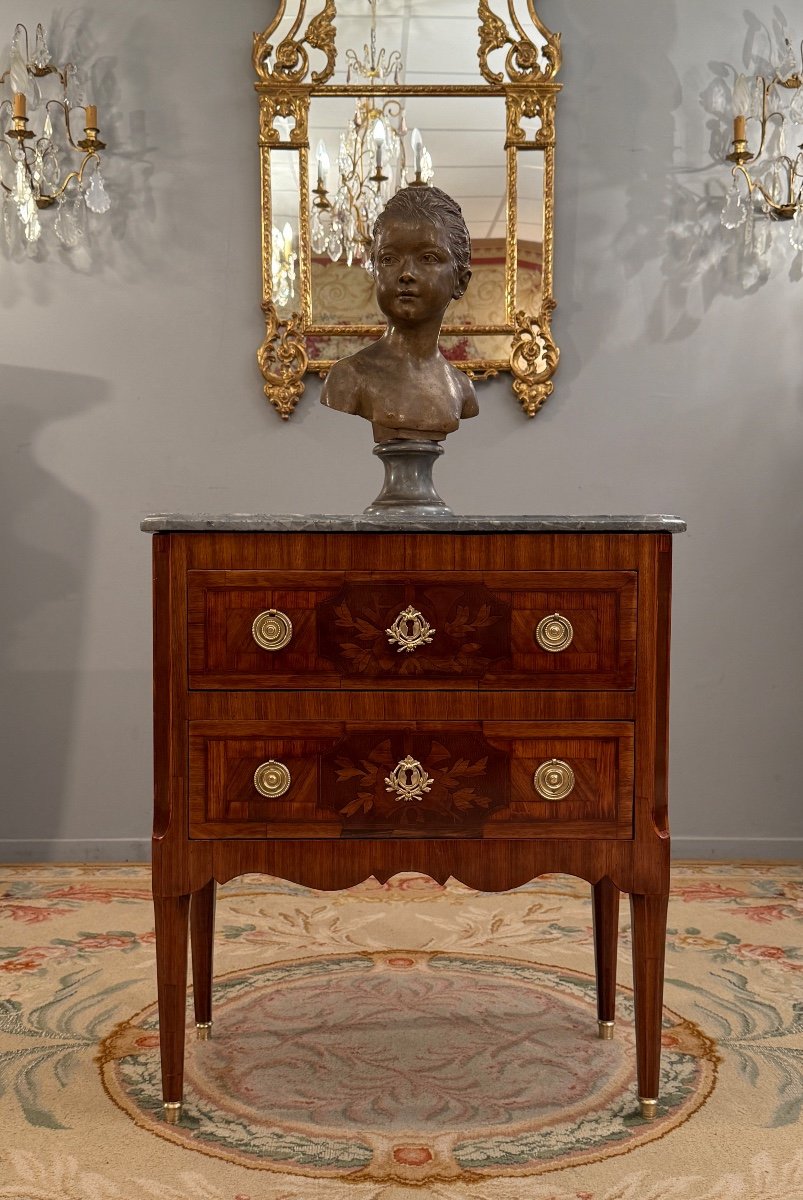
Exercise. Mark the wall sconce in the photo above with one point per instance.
(771, 177)
(32, 173)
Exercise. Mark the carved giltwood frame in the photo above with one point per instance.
(285, 86)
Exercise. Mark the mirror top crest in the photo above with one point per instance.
(313, 43)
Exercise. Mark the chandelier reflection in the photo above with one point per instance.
(39, 170)
(768, 181)
(371, 161)
(283, 264)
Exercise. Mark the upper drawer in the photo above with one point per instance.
(301, 629)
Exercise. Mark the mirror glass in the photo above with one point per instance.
(465, 138)
(418, 31)
(284, 230)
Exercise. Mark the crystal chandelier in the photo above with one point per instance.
(31, 171)
(772, 185)
(371, 161)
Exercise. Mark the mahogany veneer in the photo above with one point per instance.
(481, 706)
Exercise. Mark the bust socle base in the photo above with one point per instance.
(408, 489)
(544, 641)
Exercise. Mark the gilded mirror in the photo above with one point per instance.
(360, 97)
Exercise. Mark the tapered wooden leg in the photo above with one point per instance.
(172, 915)
(606, 939)
(649, 949)
(202, 935)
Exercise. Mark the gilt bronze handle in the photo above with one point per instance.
(272, 779)
(554, 633)
(554, 779)
(272, 629)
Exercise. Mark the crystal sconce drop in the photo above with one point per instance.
(42, 165)
(768, 180)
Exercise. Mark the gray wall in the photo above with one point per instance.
(129, 385)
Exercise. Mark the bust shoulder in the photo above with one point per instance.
(465, 392)
(341, 389)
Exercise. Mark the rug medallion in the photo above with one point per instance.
(412, 1066)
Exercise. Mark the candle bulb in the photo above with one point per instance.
(91, 116)
(20, 108)
(322, 159)
(418, 149)
(379, 135)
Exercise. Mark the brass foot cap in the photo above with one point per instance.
(172, 1111)
(605, 1030)
(648, 1108)
(203, 1030)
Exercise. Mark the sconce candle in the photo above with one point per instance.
(20, 106)
(91, 116)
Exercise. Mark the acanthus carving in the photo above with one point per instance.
(293, 104)
(546, 134)
(282, 360)
(530, 104)
(289, 62)
(533, 358)
(525, 62)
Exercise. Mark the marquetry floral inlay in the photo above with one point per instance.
(458, 787)
(471, 636)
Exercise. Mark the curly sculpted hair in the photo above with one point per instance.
(436, 206)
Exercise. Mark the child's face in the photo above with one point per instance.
(414, 270)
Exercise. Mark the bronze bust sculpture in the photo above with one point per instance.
(402, 384)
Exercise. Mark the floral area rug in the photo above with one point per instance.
(399, 1041)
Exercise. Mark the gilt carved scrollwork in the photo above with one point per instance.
(290, 104)
(289, 61)
(282, 360)
(525, 62)
(530, 103)
(533, 359)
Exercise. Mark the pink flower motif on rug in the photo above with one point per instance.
(32, 915)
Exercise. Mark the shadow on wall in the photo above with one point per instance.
(700, 258)
(45, 544)
(615, 140)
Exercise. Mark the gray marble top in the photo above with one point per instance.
(325, 523)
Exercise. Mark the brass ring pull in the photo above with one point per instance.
(408, 780)
(272, 779)
(554, 779)
(272, 629)
(410, 630)
(554, 633)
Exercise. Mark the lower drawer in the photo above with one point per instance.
(464, 779)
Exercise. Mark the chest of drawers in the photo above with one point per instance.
(336, 699)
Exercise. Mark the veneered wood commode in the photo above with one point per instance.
(353, 699)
